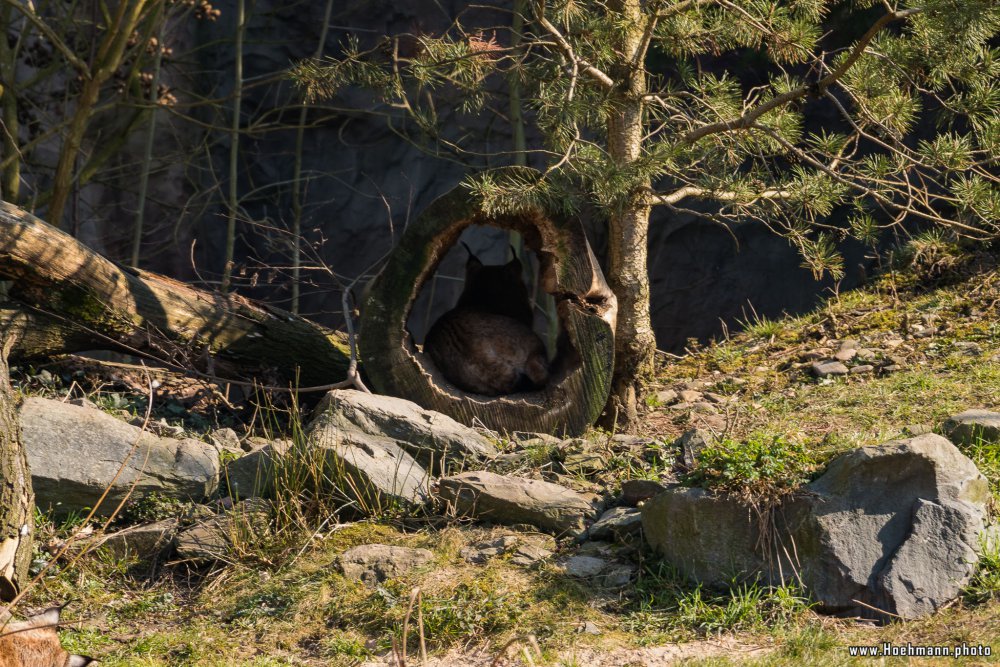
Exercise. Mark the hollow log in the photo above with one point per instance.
(581, 373)
(64, 297)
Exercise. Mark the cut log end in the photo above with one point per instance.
(580, 373)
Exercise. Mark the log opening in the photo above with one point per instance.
(575, 394)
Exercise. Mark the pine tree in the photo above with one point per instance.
(883, 113)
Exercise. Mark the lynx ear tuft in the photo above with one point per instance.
(47, 619)
(81, 661)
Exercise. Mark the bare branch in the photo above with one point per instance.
(28, 12)
(706, 193)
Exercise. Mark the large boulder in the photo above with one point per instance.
(436, 441)
(712, 539)
(516, 500)
(888, 531)
(371, 470)
(894, 528)
(76, 452)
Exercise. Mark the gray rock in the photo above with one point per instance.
(863, 369)
(968, 347)
(616, 576)
(145, 542)
(972, 426)
(893, 527)
(635, 491)
(211, 538)
(515, 500)
(481, 552)
(254, 474)
(935, 561)
(690, 396)
(529, 554)
(618, 523)
(845, 355)
(848, 345)
(708, 538)
(372, 470)
(375, 563)
(822, 369)
(583, 567)
(666, 396)
(581, 457)
(75, 452)
(690, 445)
(226, 438)
(436, 441)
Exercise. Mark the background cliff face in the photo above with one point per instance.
(365, 180)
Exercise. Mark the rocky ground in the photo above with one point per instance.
(237, 544)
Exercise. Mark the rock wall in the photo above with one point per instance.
(365, 182)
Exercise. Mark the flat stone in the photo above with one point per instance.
(824, 369)
(515, 500)
(616, 576)
(145, 542)
(690, 445)
(529, 554)
(635, 491)
(666, 396)
(375, 563)
(845, 355)
(372, 470)
(690, 396)
(973, 426)
(846, 345)
(437, 442)
(481, 552)
(583, 567)
(75, 452)
(211, 538)
(254, 474)
(618, 523)
(863, 369)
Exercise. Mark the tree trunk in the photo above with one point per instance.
(581, 371)
(17, 502)
(72, 299)
(628, 229)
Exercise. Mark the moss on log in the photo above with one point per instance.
(64, 297)
(581, 374)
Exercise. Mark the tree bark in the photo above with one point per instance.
(628, 274)
(66, 298)
(17, 502)
(581, 371)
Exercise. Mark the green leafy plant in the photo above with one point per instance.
(764, 467)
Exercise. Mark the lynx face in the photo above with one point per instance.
(35, 643)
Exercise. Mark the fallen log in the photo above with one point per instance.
(64, 297)
(580, 376)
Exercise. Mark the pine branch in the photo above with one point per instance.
(580, 63)
(750, 118)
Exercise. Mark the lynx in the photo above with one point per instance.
(35, 643)
(485, 343)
